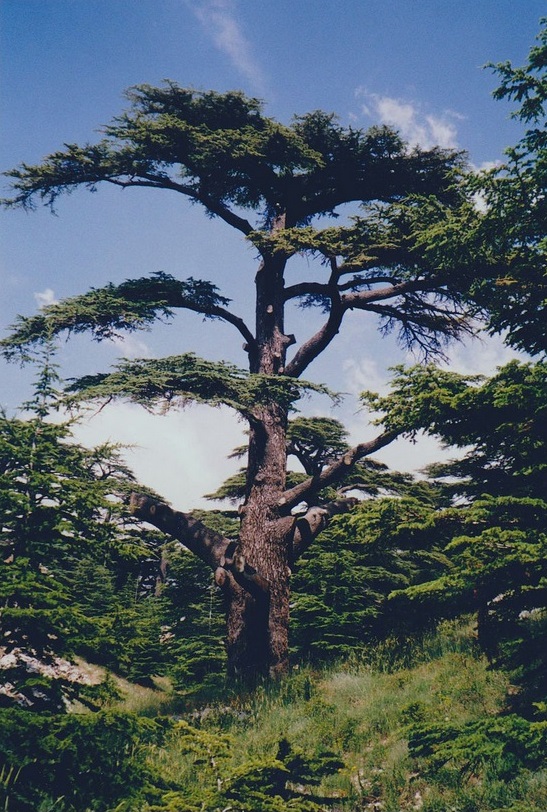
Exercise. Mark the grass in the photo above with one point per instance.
(157, 700)
(360, 710)
(362, 713)
(359, 713)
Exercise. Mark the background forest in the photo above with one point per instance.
(418, 615)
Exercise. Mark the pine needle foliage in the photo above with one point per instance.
(178, 380)
(104, 312)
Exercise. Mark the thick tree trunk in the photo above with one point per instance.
(258, 625)
(253, 573)
(257, 640)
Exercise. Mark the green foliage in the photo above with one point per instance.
(517, 209)
(193, 627)
(279, 782)
(133, 305)
(219, 149)
(70, 552)
(315, 441)
(497, 570)
(502, 746)
(495, 539)
(281, 748)
(502, 418)
(186, 378)
(342, 583)
(73, 762)
(421, 398)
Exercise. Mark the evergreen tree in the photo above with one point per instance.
(409, 259)
(496, 538)
(516, 209)
(64, 540)
(341, 591)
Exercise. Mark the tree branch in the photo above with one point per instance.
(132, 305)
(334, 472)
(315, 345)
(363, 300)
(218, 312)
(312, 523)
(164, 182)
(366, 297)
(306, 289)
(218, 552)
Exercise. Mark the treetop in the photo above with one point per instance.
(219, 149)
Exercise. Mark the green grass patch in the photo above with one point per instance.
(363, 712)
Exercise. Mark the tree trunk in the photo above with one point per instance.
(258, 626)
(254, 572)
(257, 639)
(257, 603)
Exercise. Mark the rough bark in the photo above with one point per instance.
(254, 573)
(257, 626)
(223, 555)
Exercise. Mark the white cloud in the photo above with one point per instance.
(131, 347)
(182, 455)
(363, 374)
(480, 356)
(219, 20)
(416, 126)
(45, 297)
(478, 198)
(443, 132)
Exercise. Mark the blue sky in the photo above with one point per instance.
(415, 64)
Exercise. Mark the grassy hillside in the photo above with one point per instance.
(426, 726)
(361, 715)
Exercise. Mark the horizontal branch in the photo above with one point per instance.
(213, 206)
(182, 379)
(306, 289)
(362, 300)
(366, 297)
(218, 312)
(131, 305)
(218, 552)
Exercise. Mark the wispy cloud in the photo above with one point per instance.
(363, 374)
(220, 21)
(45, 297)
(482, 355)
(131, 347)
(416, 125)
